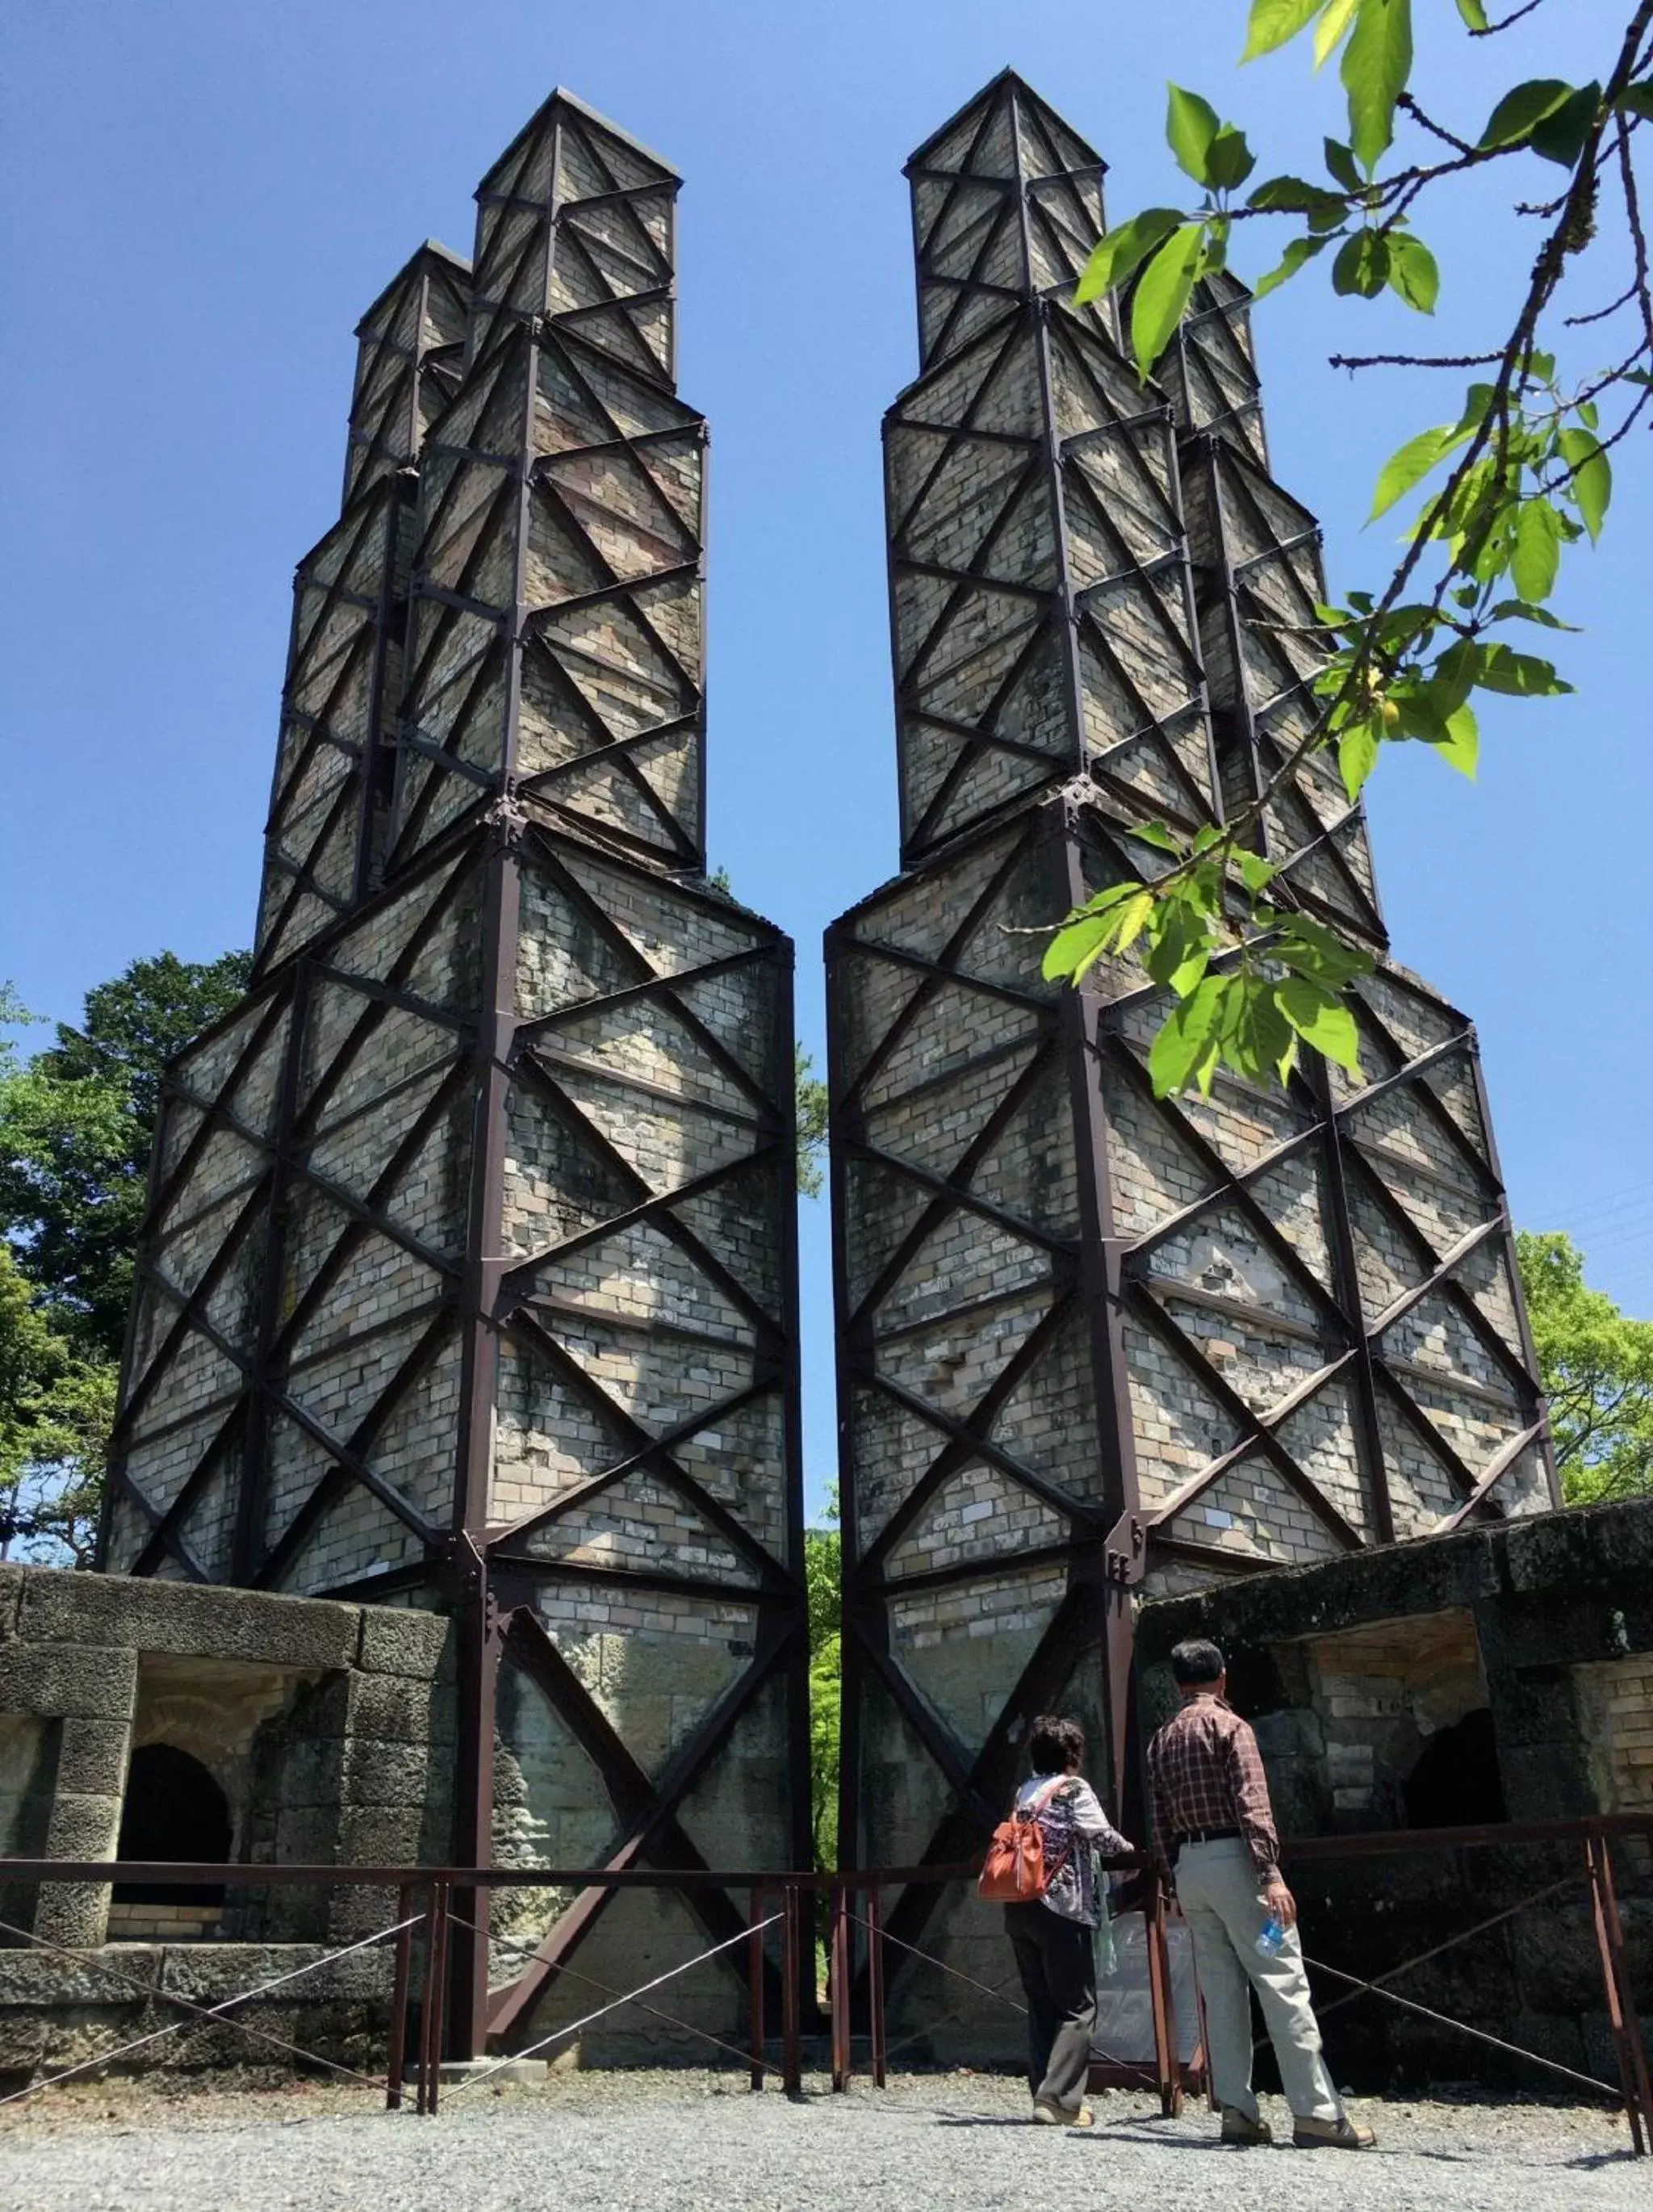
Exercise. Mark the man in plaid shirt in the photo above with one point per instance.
(1213, 1827)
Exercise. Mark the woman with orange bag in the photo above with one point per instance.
(1054, 1931)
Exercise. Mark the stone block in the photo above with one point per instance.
(380, 1835)
(1546, 1782)
(82, 1827)
(207, 1973)
(307, 1835)
(390, 1705)
(397, 1641)
(99, 1977)
(11, 1589)
(380, 1772)
(60, 1606)
(73, 1913)
(1289, 1735)
(92, 1757)
(66, 1680)
(1580, 1551)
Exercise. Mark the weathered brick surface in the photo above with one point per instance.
(1093, 587)
(479, 1213)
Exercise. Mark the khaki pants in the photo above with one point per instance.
(1217, 1887)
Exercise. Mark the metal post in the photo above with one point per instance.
(838, 1966)
(792, 2057)
(1159, 1997)
(875, 1985)
(396, 2052)
(421, 2102)
(755, 1972)
(436, 2002)
(1620, 1999)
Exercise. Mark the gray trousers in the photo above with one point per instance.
(1217, 1888)
(1057, 1966)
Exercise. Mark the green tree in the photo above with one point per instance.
(56, 1408)
(1516, 475)
(76, 1122)
(823, 1580)
(1597, 1368)
(811, 1110)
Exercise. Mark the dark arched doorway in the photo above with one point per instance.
(1456, 1782)
(174, 1810)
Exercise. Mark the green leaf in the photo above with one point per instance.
(1309, 948)
(1461, 747)
(1517, 610)
(1329, 31)
(1229, 160)
(1376, 63)
(1474, 15)
(1357, 756)
(1361, 265)
(1274, 22)
(1163, 293)
(1413, 272)
(1191, 123)
(1084, 938)
(1412, 464)
(1121, 251)
(1321, 1022)
(1592, 478)
(1081, 941)
(1518, 674)
(1183, 1041)
(1560, 136)
(1156, 833)
(1256, 871)
(1294, 196)
(1300, 250)
(1538, 549)
(1340, 162)
(1636, 99)
(1512, 119)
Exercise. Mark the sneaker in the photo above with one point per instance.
(1341, 2134)
(1239, 2127)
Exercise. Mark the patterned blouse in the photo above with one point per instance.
(1075, 1830)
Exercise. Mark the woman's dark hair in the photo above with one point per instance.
(1056, 1744)
(1197, 1660)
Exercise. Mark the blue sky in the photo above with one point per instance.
(199, 200)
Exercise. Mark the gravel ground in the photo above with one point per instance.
(688, 2142)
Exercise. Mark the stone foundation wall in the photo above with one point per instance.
(1538, 1635)
(327, 1729)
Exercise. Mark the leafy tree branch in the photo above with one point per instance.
(1518, 475)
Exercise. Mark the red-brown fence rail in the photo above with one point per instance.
(783, 1909)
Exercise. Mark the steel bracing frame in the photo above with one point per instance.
(1089, 1338)
(468, 1276)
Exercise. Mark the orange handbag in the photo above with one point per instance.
(1015, 1871)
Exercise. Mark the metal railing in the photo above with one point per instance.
(783, 1910)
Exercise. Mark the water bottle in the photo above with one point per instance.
(1271, 1941)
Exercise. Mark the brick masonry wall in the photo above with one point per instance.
(1616, 1699)
(1060, 1299)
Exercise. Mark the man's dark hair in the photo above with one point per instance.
(1197, 1660)
(1055, 1745)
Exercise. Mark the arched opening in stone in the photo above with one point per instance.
(1455, 1782)
(173, 1809)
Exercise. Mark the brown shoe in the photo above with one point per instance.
(1047, 2113)
(1240, 2128)
(1341, 2134)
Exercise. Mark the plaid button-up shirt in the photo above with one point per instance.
(1206, 1772)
